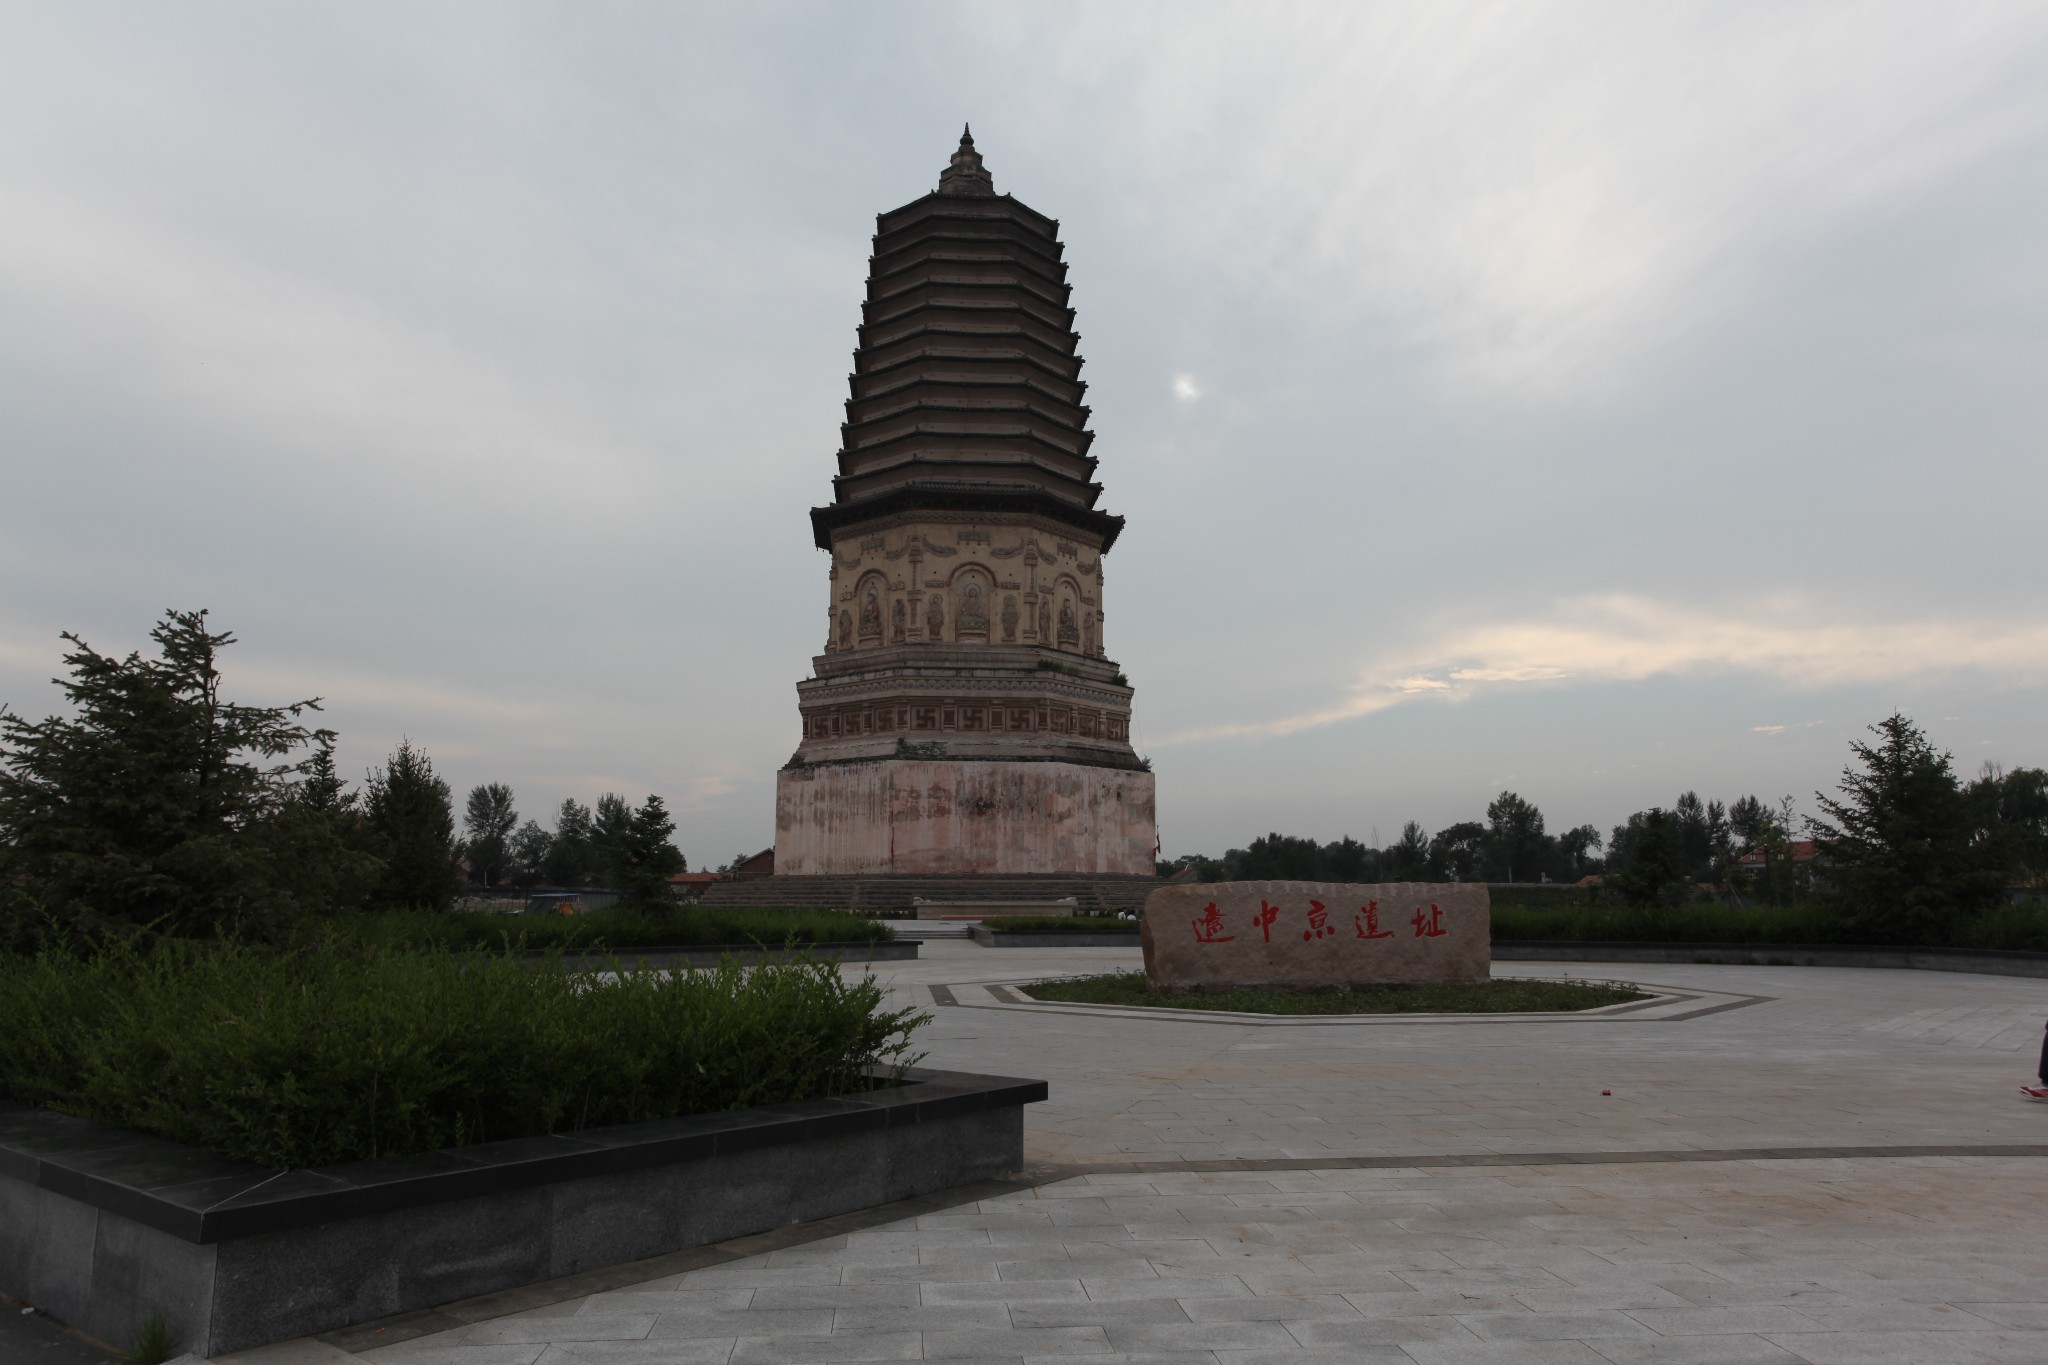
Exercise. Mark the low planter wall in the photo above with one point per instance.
(101, 1227)
(892, 950)
(1024, 938)
(1985, 960)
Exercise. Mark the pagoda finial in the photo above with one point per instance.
(964, 174)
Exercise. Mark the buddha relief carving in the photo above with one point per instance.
(935, 616)
(973, 618)
(1044, 621)
(896, 620)
(1009, 620)
(1088, 634)
(871, 613)
(1070, 629)
(845, 629)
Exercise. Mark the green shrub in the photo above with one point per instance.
(1060, 924)
(352, 1050)
(613, 929)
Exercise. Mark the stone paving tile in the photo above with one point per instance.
(827, 1349)
(1021, 1341)
(702, 1351)
(1716, 1350)
(575, 1327)
(1099, 1312)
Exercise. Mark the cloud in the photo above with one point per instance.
(363, 392)
(1631, 639)
(1541, 196)
(1185, 388)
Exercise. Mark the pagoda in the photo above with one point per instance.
(964, 717)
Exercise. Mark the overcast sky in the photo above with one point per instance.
(1596, 400)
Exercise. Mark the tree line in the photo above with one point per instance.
(158, 802)
(1901, 845)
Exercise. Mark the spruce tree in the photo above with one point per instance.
(645, 857)
(409, 812)
(1899, 850)
(155, 801)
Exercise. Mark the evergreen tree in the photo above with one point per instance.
(608, 830)
(410, 814)
(155, 801)
(1899, 849)
(644, 856)
(1648, 858)
(568, 861)
(489, 822)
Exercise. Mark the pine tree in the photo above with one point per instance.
(410, 814)
(645, 857)
(568, 861)
(1898, 850)
(155, 802)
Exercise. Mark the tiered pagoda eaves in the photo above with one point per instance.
(964, 717)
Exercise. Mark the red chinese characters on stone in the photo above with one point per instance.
(1368, 921)
(1209, 928)
(1318, 923)
(1430, 925)
(1264, 919)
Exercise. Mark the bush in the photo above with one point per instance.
(612, 929)
(347, 1051)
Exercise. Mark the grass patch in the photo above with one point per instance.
(613, 929)
(1507, 996)
(1060, 924)
(351, 1050)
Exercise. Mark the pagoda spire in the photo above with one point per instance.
(964, 173)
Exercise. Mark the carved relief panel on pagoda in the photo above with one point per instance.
(986, 582)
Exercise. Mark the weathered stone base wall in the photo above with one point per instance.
(987, 817)
(76, 1240)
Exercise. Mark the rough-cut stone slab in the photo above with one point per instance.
(1315, 934)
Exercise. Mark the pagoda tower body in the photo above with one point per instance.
(964, 717)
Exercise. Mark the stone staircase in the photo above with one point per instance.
(892, 896)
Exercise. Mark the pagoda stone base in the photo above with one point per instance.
(963, 816)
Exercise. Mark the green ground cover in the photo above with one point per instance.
(1060, 924)
(350, 1050)
(613, 929)
(1506, 996)
(2015, 927)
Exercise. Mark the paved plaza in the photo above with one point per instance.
(1790, 1164)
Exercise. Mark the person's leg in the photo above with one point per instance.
(2044, 1055)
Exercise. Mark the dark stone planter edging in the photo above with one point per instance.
(102, 1227)
(1991, 962)
(891, 950)
(1010, 938)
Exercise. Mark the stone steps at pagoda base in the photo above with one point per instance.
(895, 895)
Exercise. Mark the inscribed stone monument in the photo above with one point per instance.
(1303, 934)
